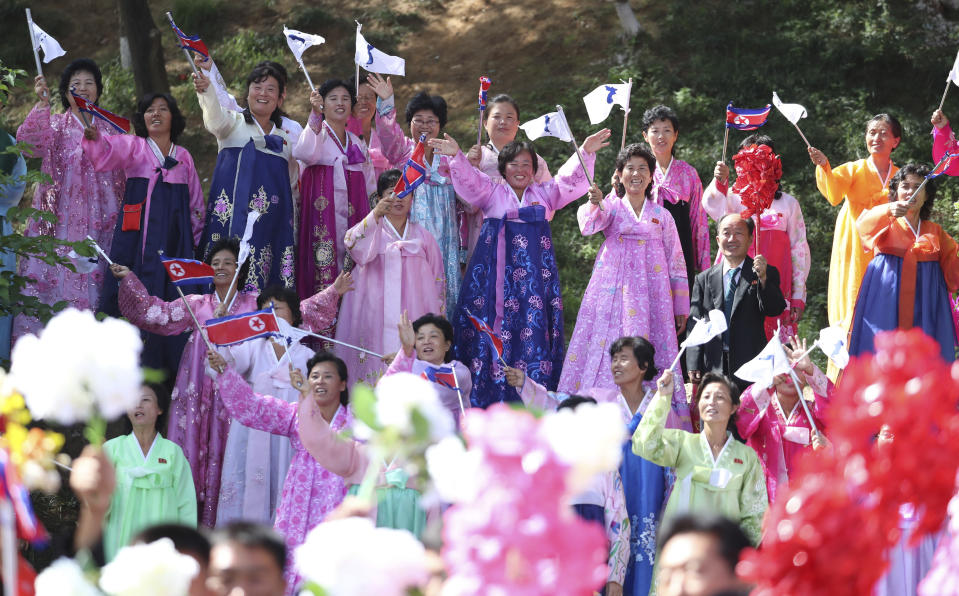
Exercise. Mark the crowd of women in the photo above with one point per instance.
(336, 251)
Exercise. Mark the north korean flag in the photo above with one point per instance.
(185, 272)
(482, 327)
(189, 42)
(235, 329)
(745, 118)
(442, 375)
(414, 172)
(118, 122)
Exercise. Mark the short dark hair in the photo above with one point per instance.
(321, 357)
(660, 112)
(509, 152)
(925, 212)
(502, 98)
(252, 535)
(177, 122)
(232, 245)
(443, 324)
(185, 539)
(283, 294)
(78, 65)
(574, 401)
(331, 84)
(643, 351)
(163, 404)
(425, 101)
(730, 538)
(750, 224)
(714, 377)
(387, 181)
(260, 73)
(891, 121)
(630, 151)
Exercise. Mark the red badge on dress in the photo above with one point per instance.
(131, 218)
(737, 461)
(163, 461)
(655, 221)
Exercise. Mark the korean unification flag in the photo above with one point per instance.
(548, 125)
(299, 41)
(601, 100)
(762, 369)
(51, 47)
(373, 60)
(792, 111)
(952, 76)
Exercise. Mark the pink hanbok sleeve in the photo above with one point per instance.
(151, 313)
(593, 219)
(254, 410)
(311, 147)
(822, 389)
(36, 131)
(570, 181)
(394, 143)
(698, 222)
(673, 249)
(943, 140)
(717, 203)
(437, 267)
(535, 395)
(111, 152)
(617, 527)
(752, 411)
(471, 185)
(402, 362)
(319, 310)
(367, 240)
(799, 251)
(344, 457)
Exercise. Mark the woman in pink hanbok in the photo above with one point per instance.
(334, 188)
(363, 124)
(775, 424)
(310, 491)
(638, 286)
(85, 201)
(782, 238)
(398, 268)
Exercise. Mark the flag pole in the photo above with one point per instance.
(941, 101)
(629, 93)
(805, 140)
(572, 140)
(915, 193)
(479, 127)
(99, 250)
(343, 343)
(310, 81)
(189, 56)
(725, 143)
(459, 392)
(192, 314)
(357, 79)
(33, 44)
(802, 400)
(8, 539)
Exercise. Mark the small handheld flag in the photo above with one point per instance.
(442, 375)
(485, 83)
(234, 329)
(940, 168)
(185, 272)
(601, 100)
(832, 341)
(373, 60)
(495, 342)
(117, 122)
(44, 41)
(83, 264)
(745, 118)
(414, 172)
(190, 43)
(552, 124)
(762, 369)
(299, 42)
(706, 329)
(792, 112)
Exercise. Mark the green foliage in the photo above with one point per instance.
(315, 17)
(119, 88)
(200, 17)
(236, 55)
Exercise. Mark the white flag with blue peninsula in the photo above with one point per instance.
(548, 125)
(601, 100)
(373, 60)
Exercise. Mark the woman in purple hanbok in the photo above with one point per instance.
(85, 201)
(512, 282)
(638, 286)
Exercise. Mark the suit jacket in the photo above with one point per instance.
(751, 305)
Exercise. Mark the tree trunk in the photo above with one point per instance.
(627, 18)
(146, 49)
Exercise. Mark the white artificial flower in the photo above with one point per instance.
(78, 366)
(589, 439)
(352, 556)
(63, 578)
(397, 396)
(455, 472)
(154, 569)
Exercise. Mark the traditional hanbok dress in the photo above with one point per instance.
(394, 273)
(310, 491)
(782, 240)
(859, 183)
(637, 288)
(15, 167)
(731, 485)
(198, 420)
(512, 282)
(679, 190)
(644, 484)
(373, 145)
(434, 202)
(455, 401)
(604, 503)
(777, 436)
(151, 489)
(335, 189)
(228, 101)
(907, 284)
(85, 202)
(255, 462)
(255, 171)
(162, 211)
(472, 218)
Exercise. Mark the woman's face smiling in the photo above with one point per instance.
(224, 268)
(625, 367)
(431, 345)
(264, 97)
(158, 118)
(84, 84)
(326, 384)
(337, 105)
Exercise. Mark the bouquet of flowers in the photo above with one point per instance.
(758, 171)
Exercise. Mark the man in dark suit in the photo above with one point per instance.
(746, 290)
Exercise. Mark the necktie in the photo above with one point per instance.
(731, 283)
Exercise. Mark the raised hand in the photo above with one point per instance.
(721, 172)
(217, 361)
(343, 283)
(898, 208)
(445, 146)
(665, 383)
(382, 87)
(40, 88)
(407, 335)
(297, 381)
(91, 134)
(939, 119)
(516, 377)
(119, 271)
(818, 157)
(595, 195)
(759, 268)
(597, 141)
(795, 350)
(316, 100)
(475, 156)
(200, 82)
